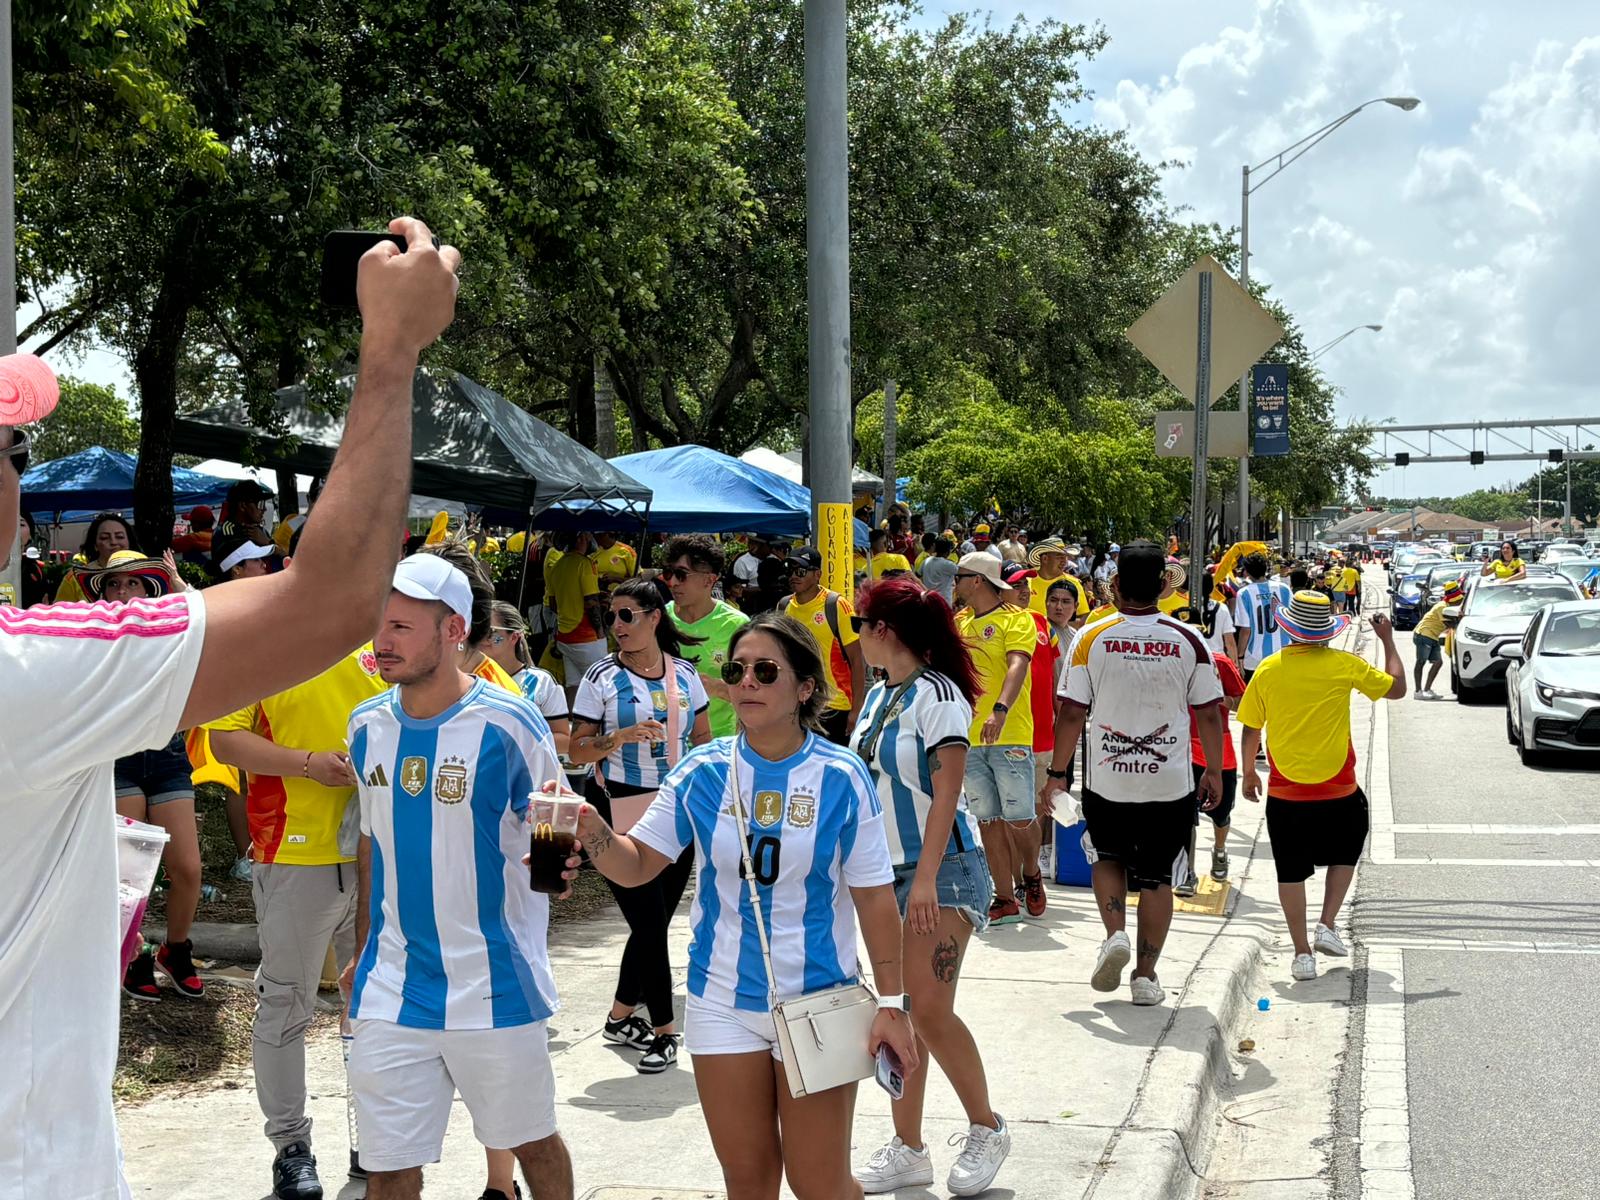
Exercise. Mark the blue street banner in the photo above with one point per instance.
(1269, 408)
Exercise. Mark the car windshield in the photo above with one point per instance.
(1510, 599)
(1571, 634)
(1578, 569)
(1438, 576)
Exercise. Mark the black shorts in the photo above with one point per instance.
(1222, 815)
(835, 722)
(1150, 839)
(1307, 834)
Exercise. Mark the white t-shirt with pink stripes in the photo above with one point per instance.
(80, 686)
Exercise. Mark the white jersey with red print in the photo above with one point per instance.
(83, 684)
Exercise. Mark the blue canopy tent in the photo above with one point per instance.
(697, 490)
(96, 479)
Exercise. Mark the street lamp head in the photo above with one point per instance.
(1403, 103)
(1374, 328)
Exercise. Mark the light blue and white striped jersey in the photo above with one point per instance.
(547, 695)
(816, 831)
(456, 937)
(1257, 619)
(613, 697)
(930, 715)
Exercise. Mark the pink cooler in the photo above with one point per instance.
(139, 848)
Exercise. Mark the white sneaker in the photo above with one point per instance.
(980, 1160)
(1115, 952)
(897, 1165)
(1147, 991)
(1304, 967)
(1327, 942)
(241, 869)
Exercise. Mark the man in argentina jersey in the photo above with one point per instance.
(930, 715)
(452, 987)
(816, 828)
(1256, 614)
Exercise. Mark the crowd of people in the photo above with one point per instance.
(819, 767)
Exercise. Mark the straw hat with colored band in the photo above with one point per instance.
(1453, 592)
(1177, 574)
(1310, 618)
(151, 571)
(1050, 545)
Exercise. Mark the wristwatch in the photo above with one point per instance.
(1055, 774)
(1001, 708)
(900, 1003)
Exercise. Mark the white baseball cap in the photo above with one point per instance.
(244, 552)
(429, 577)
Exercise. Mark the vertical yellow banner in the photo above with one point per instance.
(836, 542)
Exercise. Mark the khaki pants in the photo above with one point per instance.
(299, 910)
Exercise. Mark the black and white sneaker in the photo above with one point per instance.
(1219, 865)
(1187, 888)
(662, 1054)
(632, 1030)
(294, 1174)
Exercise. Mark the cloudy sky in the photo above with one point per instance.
(1464, 227)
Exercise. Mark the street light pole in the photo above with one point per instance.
(1279, 162)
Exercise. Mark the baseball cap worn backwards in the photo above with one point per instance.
(429, 577)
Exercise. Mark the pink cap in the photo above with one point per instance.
(28, 389)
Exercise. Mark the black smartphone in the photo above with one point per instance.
(341, 256)
(891, 1077)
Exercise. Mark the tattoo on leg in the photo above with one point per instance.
(1148, 949)
(946, 961)
(1116, 904)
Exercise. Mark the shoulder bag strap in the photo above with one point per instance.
(869, 743)
(674, 715)
(749, 868)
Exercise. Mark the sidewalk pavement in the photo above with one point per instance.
(1103, 1098)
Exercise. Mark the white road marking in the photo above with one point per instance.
(1385, 1134)
(1569, 863)
(1476, 947)
(1540, 830)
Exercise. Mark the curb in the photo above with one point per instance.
(224, 941)
(1164, 1144)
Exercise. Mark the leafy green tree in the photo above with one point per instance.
(87, 415)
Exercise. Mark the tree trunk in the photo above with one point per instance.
(155, 371)
(604, 408)
(582, 380)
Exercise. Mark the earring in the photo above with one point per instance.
(460, 646)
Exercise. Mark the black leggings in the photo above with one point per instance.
(645, 976)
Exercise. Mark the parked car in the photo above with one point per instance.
(1420, 590)
(1585, 572)
(1559, 552)
(1553, 681)
(1495, 614)
(1482, 551)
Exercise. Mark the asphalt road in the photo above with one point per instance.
(1490, 927)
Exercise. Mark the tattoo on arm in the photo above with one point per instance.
(606, 741)
(946, 961)
(600, 843)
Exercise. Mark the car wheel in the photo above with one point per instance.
(1455, 683)
(1531, 758)
(1511, 733)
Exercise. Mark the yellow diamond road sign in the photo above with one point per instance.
(1241, 330)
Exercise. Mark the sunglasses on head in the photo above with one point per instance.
(17, 452)
(766, 671)
(629, 615)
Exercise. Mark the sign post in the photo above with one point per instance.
(835, 527)
(1269, 389)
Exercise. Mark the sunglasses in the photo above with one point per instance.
(17, 452)
(766, 671)
(858, 623)
(629, 615)
(679, 574)
(800, 569)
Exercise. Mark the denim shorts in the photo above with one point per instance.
(1428, 649)
(999, 783)
(963, 884)
(157, 775)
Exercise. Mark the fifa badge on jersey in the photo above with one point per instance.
(450, 784)
(802, 810)
(414, 774)
(769, 808)
(658, 700)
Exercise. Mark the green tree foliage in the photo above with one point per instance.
(87, 415)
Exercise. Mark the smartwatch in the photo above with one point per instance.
(1001, 708)
(900, 1003)
(1055, 774)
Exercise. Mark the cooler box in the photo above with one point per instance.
(139, 848)
(1071, 866)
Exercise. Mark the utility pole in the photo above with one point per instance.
(828, 281)
(891, 396)
(11, 574)
(1244, 380)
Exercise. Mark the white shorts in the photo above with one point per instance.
(711, 1028)
(405, 1080)
(579, 657)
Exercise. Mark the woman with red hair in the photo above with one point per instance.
(912, 734)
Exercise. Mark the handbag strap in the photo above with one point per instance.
(868, 746)
(674, 717)
(750, 869)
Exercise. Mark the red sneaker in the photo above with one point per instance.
(1004, 912)
(175, 959)
(1033, 892)
(139, 981)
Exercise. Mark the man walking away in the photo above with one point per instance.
(1135, 678)
(1316, 812)
(1256, 618)
(1428, 640)
(827, 615)
(453, 988)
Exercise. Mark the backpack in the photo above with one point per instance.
(830, 607)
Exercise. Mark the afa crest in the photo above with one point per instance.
(802, 810)
(450, 783)
(414, 774)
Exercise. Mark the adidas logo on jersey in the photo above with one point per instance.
(377, 778)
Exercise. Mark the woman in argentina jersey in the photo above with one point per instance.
(913, 737)
(816, 833)
(635, 715)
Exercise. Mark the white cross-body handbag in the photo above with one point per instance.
(823, 1035)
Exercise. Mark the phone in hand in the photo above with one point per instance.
(341, 256)
(890, 1075)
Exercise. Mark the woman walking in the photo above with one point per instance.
(815, 830)
(634, 716)
(913, 737)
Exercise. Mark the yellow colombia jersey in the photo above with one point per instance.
(617, 563)
(1174, 602)
(990, 638)
(1038, 589)
(1504, 569)
(292, 819)
(835, 661)
(488, 669)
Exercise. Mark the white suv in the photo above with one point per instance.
(1496, 614)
